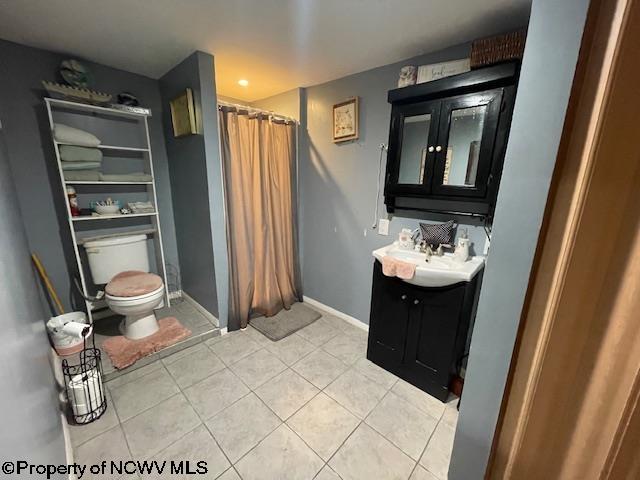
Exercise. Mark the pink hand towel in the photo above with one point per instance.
(392, 267)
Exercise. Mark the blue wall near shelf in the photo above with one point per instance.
(32, 158)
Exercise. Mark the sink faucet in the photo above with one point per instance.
(427, 250)
(439, 252)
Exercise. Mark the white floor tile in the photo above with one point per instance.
(291, 349)
(160, 426)
(419, 399)
(323, 424)
(367, 455)
(356, 393)
(257, 368)
(280, 456)
(215, 393)
(437, 455)
(145, 392)
(403, 424)
(286, 393)
(196, 446)
(241, 426)
(320, 368)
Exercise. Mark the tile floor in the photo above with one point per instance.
(309, 406)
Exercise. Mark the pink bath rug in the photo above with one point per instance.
(124, 352)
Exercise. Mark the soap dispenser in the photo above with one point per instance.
(461, 253)
(405, 239)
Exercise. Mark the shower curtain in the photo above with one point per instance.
(259, 161)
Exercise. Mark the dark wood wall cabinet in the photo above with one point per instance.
(447, 142)
(418, 333)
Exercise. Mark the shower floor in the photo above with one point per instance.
(201, 328)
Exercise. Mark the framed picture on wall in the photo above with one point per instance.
(345, 120)
(183, 114)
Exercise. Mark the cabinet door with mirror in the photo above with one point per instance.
(447, 142)
(466, 137)
(416, 127)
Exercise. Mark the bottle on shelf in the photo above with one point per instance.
(73, 202)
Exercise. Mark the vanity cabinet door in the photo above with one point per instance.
(432, 333)
(418, 333)
(389, 320)
(465, 146)
(414, 132)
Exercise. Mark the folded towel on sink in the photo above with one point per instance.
(392, 267)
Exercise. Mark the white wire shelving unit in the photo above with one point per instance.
(79, 113)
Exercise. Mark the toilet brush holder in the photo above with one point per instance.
(83, 385)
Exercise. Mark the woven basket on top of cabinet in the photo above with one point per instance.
(496, 49)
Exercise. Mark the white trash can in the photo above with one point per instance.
(69, 340)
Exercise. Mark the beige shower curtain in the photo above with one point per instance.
(259, 160)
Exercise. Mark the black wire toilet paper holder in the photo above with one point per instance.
(83, 385)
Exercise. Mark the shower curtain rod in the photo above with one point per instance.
(259, 110)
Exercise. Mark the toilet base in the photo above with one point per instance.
(135, 327)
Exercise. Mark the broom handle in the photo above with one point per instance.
(47, 283)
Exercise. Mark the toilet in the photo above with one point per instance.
(122, 263)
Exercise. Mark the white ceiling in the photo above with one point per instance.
(275, 44)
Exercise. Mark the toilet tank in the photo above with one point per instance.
(110, 256)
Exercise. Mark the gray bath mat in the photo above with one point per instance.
(285, 322)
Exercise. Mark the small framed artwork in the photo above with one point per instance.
(345, 120)
(183, 114)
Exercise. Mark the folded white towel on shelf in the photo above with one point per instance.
(74, 136)
(82, 175)
(81, 165)
(141, 207)
(125, 177)
(71, 153)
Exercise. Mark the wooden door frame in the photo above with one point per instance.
(578, 325)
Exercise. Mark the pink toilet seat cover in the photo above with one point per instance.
(133, 284)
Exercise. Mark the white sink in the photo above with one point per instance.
(438, 271)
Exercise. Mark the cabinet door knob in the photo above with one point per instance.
(416, 301)
(403, 297)
(431, 149)
(438, 148)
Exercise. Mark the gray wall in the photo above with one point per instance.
(189, 169)
(285, 103)
(215, 180)
(33, 160)
(553, 41)
(31, 423)
(338, 188)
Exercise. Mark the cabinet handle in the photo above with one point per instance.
(431, 149)
(403, 297)
(416, 302)
(438, 148)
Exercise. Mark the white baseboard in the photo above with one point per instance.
(223, 331)
(347, 318)
(207, 314)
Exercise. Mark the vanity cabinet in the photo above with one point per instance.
(447, 142)
(418, 333)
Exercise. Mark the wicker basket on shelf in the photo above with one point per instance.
(497, 49)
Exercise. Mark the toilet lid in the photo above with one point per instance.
(133, 284)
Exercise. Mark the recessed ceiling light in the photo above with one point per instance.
(243, 83)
